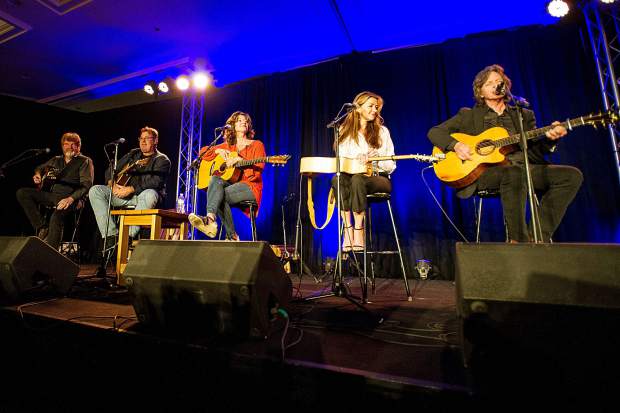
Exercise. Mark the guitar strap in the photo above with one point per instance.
(331, 204)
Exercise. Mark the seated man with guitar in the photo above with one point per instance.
(62, 182)
(239, 148)
(477, 163)
(363, 136)
(139, 181)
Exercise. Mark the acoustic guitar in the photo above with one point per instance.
(123, 176)
(491, 146)
(217, 167)
(48, 178)
(323, 165)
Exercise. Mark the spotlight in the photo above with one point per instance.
(557, 8)
(150, 87)
(607, 1)
(200, 80)
(163, 87)
(182, 82)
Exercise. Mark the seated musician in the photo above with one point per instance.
(142, 185)
(221, 194)
(361, 136)
(559, 183)
(71, 175)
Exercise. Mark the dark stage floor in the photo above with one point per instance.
(332, 355)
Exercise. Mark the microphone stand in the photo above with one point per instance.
(19, 159)
(105, 258)
(339, 288)
(536, 229)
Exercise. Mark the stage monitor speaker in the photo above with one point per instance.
(549, 311)
(27, 263)
(213, 288)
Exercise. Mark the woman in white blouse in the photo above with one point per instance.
(362, 136)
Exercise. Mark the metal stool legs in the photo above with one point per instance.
(253, 221)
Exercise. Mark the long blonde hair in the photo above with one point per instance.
(351, 125)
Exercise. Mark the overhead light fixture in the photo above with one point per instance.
(163, 87)
(558, 8)
(182, 82)
(607, 1)
(150, 87)
(200, 80)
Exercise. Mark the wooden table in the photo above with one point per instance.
(156, 219)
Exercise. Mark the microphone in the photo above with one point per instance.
(225, 127)
(116, 142)
(350, 106)
(40, 151)
(500, 89)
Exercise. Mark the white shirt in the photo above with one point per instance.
(350, 149)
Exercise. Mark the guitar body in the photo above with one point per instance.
(123, 176)
(217, 167)
(48, 179)
(458, 173)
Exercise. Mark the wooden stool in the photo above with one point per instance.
(155, 219)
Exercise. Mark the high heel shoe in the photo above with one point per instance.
(358, 239)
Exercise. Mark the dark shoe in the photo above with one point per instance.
(42, 232)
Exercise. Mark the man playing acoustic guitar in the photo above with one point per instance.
(63, 181)
(139, 181)
(221, 194)
(558, 183)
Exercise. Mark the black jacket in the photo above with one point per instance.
(153, 175)
(74, 178)
(471, 122)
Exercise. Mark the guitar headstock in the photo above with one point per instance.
(609, 117)
(278, 160)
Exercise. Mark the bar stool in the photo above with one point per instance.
(373, 199)
(253, 207)
(479, 196)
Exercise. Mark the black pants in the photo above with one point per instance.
(30, 199)
(558, 184)
(355, 188)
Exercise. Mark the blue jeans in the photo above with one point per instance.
(221, 195)
(99, 195)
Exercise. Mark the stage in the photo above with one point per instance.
(342, 356)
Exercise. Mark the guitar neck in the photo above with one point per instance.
(399, 157)
(536, 133)
(247, 162)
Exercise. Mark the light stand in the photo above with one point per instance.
(520, 103)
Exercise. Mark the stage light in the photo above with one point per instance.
(182, 83)
(557, 8)
(150, 87)
(163, 87)
(607, 1)
(200, 80)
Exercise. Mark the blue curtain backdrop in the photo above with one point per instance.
(423, 86)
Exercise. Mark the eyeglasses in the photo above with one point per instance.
(141, 139)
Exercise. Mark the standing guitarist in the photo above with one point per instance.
(221, 194)
(558, 183)
(63, 181)
(139, 181)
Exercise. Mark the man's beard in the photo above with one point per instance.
(70, 154)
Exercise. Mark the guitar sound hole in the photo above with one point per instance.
(485, 147)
